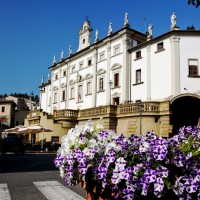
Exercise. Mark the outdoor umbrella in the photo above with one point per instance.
(15, 129)
(33, 129)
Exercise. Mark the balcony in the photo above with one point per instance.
(65, 114)
(136, 108)
(34, 114)
(101, 111)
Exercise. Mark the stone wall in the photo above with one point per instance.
(126, 118)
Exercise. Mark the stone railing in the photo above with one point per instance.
(65, 113)
(138, 107)
(34, 113)
(98, 111)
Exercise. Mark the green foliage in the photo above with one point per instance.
(190, 146)
(22, 95)
(194, 3)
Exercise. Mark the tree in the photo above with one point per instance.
(191, 28)
(194, 3)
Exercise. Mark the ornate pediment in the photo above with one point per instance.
(71, 82)
(116, 66)
(88, 76)
(63, 85)
(55, 88)
(101, 71)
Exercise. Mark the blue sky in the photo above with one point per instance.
(32, 31)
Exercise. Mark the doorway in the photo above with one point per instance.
(185, 112)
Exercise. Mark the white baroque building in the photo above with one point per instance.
(127, 67)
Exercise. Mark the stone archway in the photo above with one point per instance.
(185, 111)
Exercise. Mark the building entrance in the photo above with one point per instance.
(185, 112)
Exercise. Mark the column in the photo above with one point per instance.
(108, 78)
(126, 85)
(67, 87)
(94, 79)
(148, 50)
(175, 65)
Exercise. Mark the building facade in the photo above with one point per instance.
(135, 82)
(7, 113)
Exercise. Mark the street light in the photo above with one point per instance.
(110, 84)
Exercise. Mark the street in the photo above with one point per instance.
(32, 176)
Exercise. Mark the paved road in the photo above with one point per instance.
(33, 177)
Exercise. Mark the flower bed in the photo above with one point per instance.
(110, 166)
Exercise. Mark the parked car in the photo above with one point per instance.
(12, 144)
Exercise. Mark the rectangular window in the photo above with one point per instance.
(193, 71)
(102, 57)
(49, 101)
(138, 54)
(116, 80)
(116, 50)
(64, 73)
(89, 62)
(55, 97)
(3, 109)
(81, 66)
(138, 76)
(55, 139)
(56, 77)
(101, 84)
(80, 93)
(73, 69)
(89, 89)
(72, 93)
(160, 46)
(63, 95)
(193, 68)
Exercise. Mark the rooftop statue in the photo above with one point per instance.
(62, 55)
(70, 50)
(96, 35)
(126, 19)
(110, 28)
(54, 59)
(173, 20)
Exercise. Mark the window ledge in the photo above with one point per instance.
(116, 54)
(79, 101)
(137, 58)
(88, 94)
(115, 87)
(71, 98)
(101, 91)
(137, 83)
(101, 60)
(193, 76)
(158, 51)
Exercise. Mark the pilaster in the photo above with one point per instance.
(107, 79)
(94, 80)
(175, 65)
(126, 70)
(148, 50)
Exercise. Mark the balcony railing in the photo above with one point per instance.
(98, 111)
(33, 114)
(138, 107)
(109, 110)
(66, 113)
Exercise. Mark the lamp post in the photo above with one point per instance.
(110, 84)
